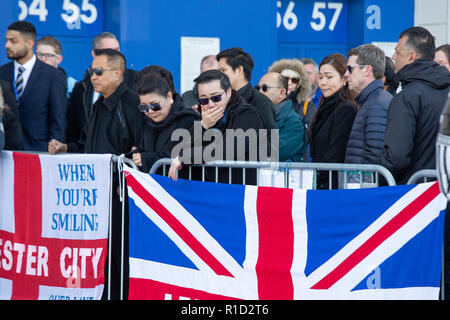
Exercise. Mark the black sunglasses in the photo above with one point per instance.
(216, 98)
(98, 71)
(264, 87)
(147, 107)
(350, 68)
(294, 80)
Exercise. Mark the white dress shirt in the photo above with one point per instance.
(28, 68)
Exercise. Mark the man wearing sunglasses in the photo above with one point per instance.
(365, 69)
(84, 96)
(115, 126)
(224, 110)
(292, 130)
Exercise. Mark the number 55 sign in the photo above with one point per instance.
(312, 21)
(63, 17)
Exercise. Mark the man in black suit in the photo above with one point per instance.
(40, 89)
(84, 96)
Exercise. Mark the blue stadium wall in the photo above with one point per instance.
(150, 31)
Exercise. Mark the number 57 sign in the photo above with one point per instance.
(312, 21)
(63, 17)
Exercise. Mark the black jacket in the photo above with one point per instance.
(13, 130)
(238, 115)
(115, 125)
(329, 134)
(367, 138)
(80, 104)
(413, 119)
(262, 104)
(156, 142)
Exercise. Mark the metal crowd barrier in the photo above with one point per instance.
(424, 175)
(350, 175)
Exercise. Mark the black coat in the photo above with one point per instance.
(80, 104)
(367, 138)
(329, 134)
(156, 142)
(413, 119)
(115, 125)
(13, 130)
(238, 115)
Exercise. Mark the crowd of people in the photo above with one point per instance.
(361, 108)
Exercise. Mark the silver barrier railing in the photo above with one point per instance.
(350, 175)
(422, 174)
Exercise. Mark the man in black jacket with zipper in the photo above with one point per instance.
(83, 95)
(115, 126)
(413, 116)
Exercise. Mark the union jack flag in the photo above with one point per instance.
(200, 240)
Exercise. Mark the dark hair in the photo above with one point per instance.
(163, 72)
(445, 49)
(339, 63)
(50, 41)
(211, 75)
(153, 82)
(391, 80)
(25, 28)
(421, 40)
(114, 57)
(236, 57)
(369, 54)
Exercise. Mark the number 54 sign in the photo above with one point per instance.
(312, 21)
(67, 17)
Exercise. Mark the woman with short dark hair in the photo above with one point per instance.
(164, 111)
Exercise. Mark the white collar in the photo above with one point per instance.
(27, 65)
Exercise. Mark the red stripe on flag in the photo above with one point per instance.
(178, 227)
(28, 215)
(276, 244)
(379, 237)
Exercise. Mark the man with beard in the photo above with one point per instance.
(40, 89)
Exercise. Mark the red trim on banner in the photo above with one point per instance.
(28, 259)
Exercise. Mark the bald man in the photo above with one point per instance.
(292, 130)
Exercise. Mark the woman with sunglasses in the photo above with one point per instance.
(165, 112)
(332, 123)
(299, 86)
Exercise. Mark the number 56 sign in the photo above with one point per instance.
(63, 17)
(312, 21)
